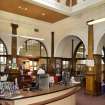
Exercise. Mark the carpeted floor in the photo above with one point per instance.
(83, 99)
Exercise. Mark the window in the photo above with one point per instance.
(80, 56)
(3, 51)
(33, 48)
(80, 52)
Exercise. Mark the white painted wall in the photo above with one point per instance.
(65, 46)
(77, 25)
(85, 4)
(26, 28)
(70, 26)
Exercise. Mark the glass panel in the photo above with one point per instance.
(80, 64)
(2, 59)
(65, 64)
(32, 48)
(102, 52)
(1, 47)
(80, 52)
(43, 51)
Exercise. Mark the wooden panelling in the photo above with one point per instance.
(90, 83)
(26, 9)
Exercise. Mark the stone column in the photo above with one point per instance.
(93, 75)
(90, 75)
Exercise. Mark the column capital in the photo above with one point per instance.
(89, 21)
(14, 25)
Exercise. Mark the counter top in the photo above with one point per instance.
(28, 94)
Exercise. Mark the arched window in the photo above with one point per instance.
(3, 51)
(80, 57)
(33, 48)
(80, 51)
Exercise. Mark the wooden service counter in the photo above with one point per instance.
(56, 95)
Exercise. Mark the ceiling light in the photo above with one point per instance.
(43, 14)
(19, 7)
(25, 9)
(96, 21)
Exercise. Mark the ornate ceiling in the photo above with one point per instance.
(33, 11)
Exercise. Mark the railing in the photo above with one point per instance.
(70, 2)
(66, 7)
(67, 2)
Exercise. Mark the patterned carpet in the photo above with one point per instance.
(83, 99)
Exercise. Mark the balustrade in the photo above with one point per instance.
(69, 2)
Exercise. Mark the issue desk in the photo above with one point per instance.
(55, 95)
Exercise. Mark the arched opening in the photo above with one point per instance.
(72, 48)
(80, 57)
(79, 52)
(33, 54)
(33, 48)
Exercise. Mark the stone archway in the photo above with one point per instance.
(67, 48)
